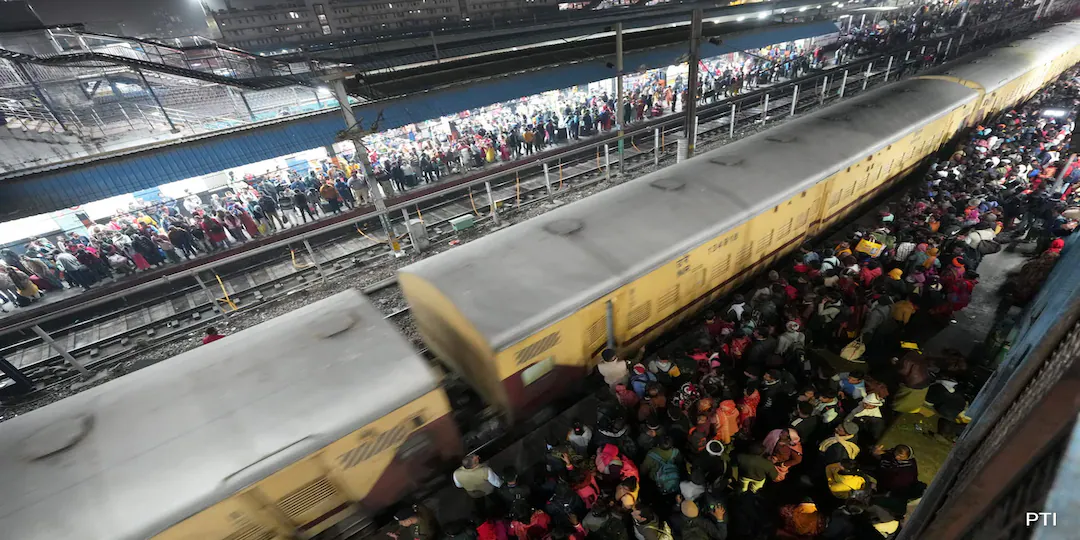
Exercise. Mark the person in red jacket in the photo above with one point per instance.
(211, 335)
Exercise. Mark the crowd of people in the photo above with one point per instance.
(768, 420)
(159, 233)
(170, 232)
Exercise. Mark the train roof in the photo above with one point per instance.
(512, 282)
(156, 446)
(995, 67)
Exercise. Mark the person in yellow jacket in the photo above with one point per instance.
(845, 479)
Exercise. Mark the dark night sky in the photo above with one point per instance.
(139, 16)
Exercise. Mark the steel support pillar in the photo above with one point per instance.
(692, 82)
(731, 125)
(40, 93)
(547, 179)
(607, 162)
(153, 94)
(491, 202)
(656, 147)
(620, 97)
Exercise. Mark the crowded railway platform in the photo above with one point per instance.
(168, 231)
(820, 401)
(704, 429)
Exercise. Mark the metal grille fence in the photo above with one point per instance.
(53, 113)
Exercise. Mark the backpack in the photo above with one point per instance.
(986, 247)
(663, 531)
(667, 474)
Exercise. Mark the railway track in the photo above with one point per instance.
(105, 342)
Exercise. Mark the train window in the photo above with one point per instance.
(537, 371)
(888, 147)
(848, 169)
(871, 158)
(803, 195)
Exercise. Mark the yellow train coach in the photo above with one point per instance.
(282, 430)
(524, 312)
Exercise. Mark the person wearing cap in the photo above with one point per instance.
(413, 524)
(792, 338)
(868, 417)
(579, 437)
(689, 524)
(613, 369)
(650, 436)
(841, 445)
(640, 379)
(902, 310)
(894, 283)
(713, 463)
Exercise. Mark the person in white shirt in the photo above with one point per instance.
(613, 369)
(478, 480)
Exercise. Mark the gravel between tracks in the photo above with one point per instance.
(389, 300)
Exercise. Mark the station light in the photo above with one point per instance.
(763, 14)
(802, 8)
(1054, 113)
(741, 18)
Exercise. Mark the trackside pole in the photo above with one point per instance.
(547, 179)
(656, 147)
(692, 90)
(491, 201)
(619, 116)
(731, 126)
(607, 162)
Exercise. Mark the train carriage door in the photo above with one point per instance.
(304, 496)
